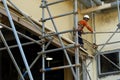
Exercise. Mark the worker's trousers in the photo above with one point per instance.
(80, 40)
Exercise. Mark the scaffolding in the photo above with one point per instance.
(75, 68)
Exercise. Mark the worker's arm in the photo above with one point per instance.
(88, 27)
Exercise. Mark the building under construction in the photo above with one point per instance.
(39, 40)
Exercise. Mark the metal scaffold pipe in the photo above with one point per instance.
(58, 49)
(27, 37)
(118, 7)
(43, 34)
(61, 42)
(17, 39)
(109, 43)
(52, 3)
(106, 42)
(14, 46)
(60, 67)
(11, 56)
(62, 15)
(108, 32)
(26, 16)
(55, 34)
(36, 59)
(77, 69)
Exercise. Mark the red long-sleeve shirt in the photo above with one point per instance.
(82, 24)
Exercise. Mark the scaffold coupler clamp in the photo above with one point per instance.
(118, 25)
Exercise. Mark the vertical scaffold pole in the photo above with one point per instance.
(76, 40)
(61, 42)
(118, 7)
(43, 34)
(17, 39)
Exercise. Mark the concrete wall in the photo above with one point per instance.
(105, 21)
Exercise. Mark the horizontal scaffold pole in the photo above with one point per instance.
(52, 3)
(60, 67)
(66, 14)
(58, 49)
(27, 37)
(14, 46)
(35, 60)
(56, 33)
(100, 32)
(109, 43)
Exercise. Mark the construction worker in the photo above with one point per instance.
(81, 25)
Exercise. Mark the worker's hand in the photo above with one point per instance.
(93, 32)
(82, 32)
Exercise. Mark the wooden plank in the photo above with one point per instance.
(104, 6)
